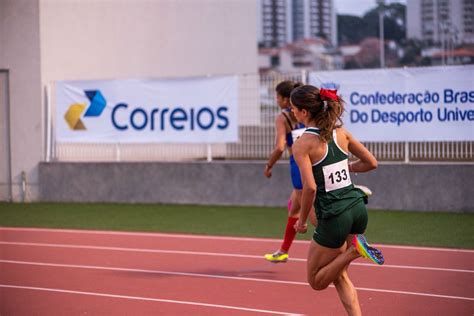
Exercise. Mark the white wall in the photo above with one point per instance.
(42, 41)
(20, 55)
(93, 39)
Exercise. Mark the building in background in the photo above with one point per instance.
(314, 19)
(297, 34)
(285, 21)
(445, 22)
(273, 21)
(304, 54)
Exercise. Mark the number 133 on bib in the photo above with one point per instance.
(336, 175)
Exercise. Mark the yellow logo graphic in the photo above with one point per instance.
(73, 116)
(74, 113)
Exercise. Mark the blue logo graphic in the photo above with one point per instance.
(97, 103)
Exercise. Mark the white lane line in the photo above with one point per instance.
(425, 248)
(216, 276)
(217, 254)
(139, 298)
(204, 237)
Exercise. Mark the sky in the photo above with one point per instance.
(358, 7)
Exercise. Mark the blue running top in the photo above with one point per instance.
(295, 130)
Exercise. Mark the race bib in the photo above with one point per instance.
(336, 175)
(296, 133)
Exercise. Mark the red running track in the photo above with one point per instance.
(74, 272)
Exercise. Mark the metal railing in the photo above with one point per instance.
(257, 113)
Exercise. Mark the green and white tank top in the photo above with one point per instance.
(335, 191)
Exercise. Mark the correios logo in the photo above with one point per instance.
(74, 112)
(124, 117)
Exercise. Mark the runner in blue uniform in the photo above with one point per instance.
(287, 131)
(322, 156)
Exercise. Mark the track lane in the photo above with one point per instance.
(396, 255)
(366, 277)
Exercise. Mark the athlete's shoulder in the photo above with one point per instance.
(280, 118)
(344, 133)
(300, 146)
(341, 131)
(309, 137)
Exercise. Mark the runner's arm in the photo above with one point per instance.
(280, 145)
(366, 160)
(300, 152)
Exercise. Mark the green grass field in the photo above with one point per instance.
(389, 227)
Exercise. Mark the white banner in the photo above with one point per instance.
(412, 104)
(192, 110)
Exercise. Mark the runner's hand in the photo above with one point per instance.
(301, 227)
(268, 171)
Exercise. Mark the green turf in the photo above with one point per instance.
(390, 227)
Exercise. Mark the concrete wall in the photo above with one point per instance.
(396, 187)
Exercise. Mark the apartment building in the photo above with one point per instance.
(287, 21)
(441, 21)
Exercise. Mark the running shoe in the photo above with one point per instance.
(366, 251)
(277, 257)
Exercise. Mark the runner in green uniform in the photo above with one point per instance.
(322, 157)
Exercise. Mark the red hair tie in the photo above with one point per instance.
(327, 94)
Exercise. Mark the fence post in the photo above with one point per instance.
(209, 152)
(23, 186)
(52, 122)
(304, 76)
(407, 152)
(48, 122)
(117, 152)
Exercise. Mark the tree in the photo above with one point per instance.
(353, 29)
(394, 22)
(412, 52)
